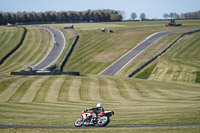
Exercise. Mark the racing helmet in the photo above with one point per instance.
(99, 105)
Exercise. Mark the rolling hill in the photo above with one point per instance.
(59, 100)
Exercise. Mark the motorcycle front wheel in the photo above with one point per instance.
(103, 121)
(78, 122)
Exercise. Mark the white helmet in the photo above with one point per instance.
(99, 105)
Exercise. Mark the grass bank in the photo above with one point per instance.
(59, 100)
(36, 45)
(10, 37)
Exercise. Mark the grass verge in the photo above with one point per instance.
(147, 72)
(198, 77)
(193, 129)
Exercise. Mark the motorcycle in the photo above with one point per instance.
(91, 119)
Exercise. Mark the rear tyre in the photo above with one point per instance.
(78, 122)
(103, 121)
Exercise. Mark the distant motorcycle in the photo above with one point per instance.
(90, 119)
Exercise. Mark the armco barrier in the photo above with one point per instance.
(161, 53)
(68, 53)
(13, 50)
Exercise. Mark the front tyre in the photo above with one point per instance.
(103, 121)
(78, 122)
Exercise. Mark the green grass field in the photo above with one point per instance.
(36, 45)
(180, 63)
(193, 129)
(9, 38)
(96, 50)
(59, 100)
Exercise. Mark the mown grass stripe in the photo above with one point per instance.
(6, 78)
(94, 90)
(114, 90)
(53, 92)
(122, 89)
(26, 47)
(5, 38)
(149, 89)
(5, 84)
(5, 32)
(47, 44)
(11, 36)
(11, 88)
(63, 94)
(10, 39)
(88, 51)
(84, 90)
(42, 92)
(131, 90)
(84, 51)
(141, 90)
(34, 49)
(37, 52)
(33, 89)
(104, 90)
(21, 91)
(74, 94)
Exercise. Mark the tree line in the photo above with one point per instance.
(192, 15)
(189, 15)
(172, 15)
(63, 16)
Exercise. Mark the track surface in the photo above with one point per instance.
(56, 50)
(72, 127)
(125, 59)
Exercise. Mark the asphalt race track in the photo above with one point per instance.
(129, 56)
(58, 46)
(72, 127)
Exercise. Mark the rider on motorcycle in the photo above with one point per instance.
(94, 117)
(97, 110)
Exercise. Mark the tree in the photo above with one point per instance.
(182, 16)
(122, 14)
(133, 16)
(165, 16)
(1, 18)
(115, 17)
(142, 16)
(174, 15)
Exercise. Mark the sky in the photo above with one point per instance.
(152, 8)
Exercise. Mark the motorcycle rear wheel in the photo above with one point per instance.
(103, 121)
(78, 122)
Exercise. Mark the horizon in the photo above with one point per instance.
(154, 9)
